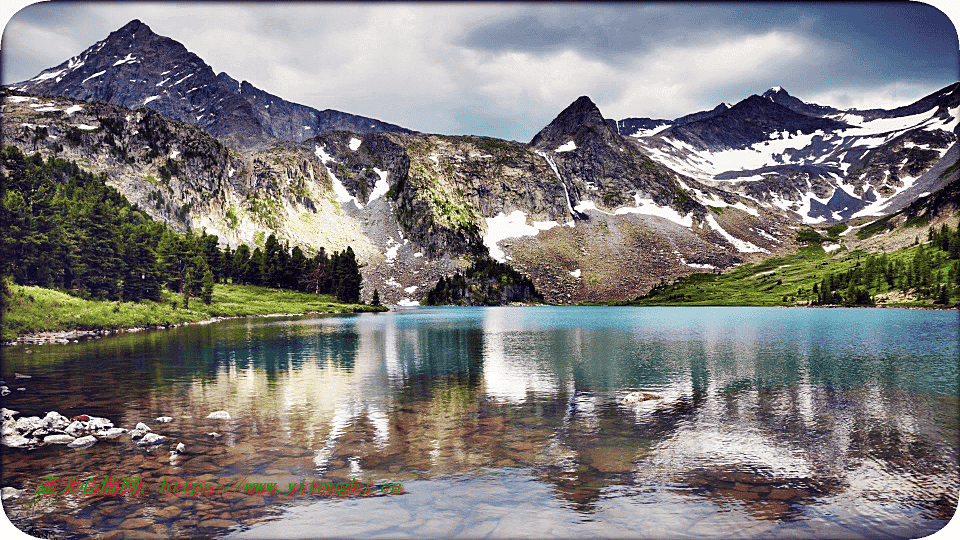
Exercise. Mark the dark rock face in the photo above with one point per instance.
(781, 97)
(943, 99)
(605, 162)
(134, 67)
(748, 122)
(633, 127)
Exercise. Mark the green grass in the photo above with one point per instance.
(35, 309)
(778, 281)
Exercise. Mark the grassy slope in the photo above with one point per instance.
(773, 282)
(34, 309)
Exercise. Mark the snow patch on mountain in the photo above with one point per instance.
(130, 58)
(95, 75)
(644, 206)
(381, 187)
(569, 146)
(355, 143)
(741, 245)
(339, 190)
(504, 226)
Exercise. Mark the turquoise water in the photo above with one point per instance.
(506, 422)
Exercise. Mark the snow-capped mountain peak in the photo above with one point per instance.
(134, 67)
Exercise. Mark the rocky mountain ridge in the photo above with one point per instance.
(135, 68)
(817, 164)
(596, 221)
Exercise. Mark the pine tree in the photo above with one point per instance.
(348, 278)
(207, 294)
(375, 301)
(187, 285)
(241, 258)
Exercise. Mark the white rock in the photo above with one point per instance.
(8, 414)
(219, 415)
(151, 439)
(111, 433)
(26, 424)
(10, 493)
(140, 430)
(637, 397)
(16, 441)
(76, 428)
(180, 448)
(58, 439)
(214, 434)
(96, 423)
(164, 419)
(55, 420)
(83, 442)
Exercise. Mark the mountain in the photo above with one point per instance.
(642, 127)
(586, 211)
(134, 67)
(780, 96)
(582, 211)
(817, 163)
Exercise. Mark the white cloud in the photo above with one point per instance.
(889, 96)
(406, 63)
(670, 81)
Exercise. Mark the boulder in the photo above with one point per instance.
(111, 433)
(83, 442)
(139, 431)
(58, 439)
(151, 439)
(56, 421)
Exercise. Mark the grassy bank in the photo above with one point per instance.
(35, 309)
(784, 281)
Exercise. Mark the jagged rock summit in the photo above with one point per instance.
(579, 118)
(134, 67)
(780, 96)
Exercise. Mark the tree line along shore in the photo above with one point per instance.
(76, 255)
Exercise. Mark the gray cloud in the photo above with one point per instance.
(506, 70)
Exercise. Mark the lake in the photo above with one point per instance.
(508, 422)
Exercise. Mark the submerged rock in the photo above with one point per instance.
(219, 415)
(637, 397)
(152, 439)
(164, 419)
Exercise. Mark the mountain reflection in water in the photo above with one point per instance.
(769, 422)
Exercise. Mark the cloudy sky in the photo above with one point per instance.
(506, 70)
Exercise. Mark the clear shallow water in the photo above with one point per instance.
(506, 422)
